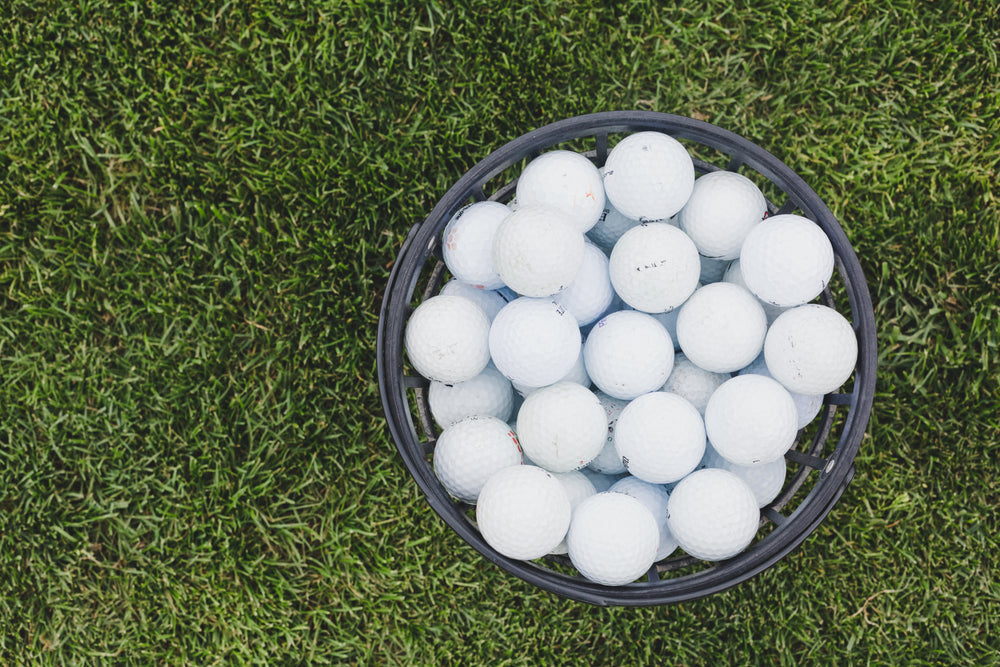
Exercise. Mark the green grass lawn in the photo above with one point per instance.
(198, 211)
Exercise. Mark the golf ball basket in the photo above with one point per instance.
(820, 463)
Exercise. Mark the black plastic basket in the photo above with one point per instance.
(821, 461)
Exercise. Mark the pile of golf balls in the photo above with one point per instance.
(623, 356)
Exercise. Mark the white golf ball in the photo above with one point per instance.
(807, 406)
(577, 374)
(654, 267)
(470, 451)
(628, 354)
(648, 176)
(447, 339)
(765, 480)
(523, 512)
(713, 514)
(786, 260)
(811, 349)
(693, 383)
(669, 322)
(578, 488)
(534, 342)
(610, 227)
(660, 437)
(566, 181)
(734, 275)
(609, 461)
(601, 481)
(562, 427)
(613, 539)
(751, 419)
(721, 328)
(655, 498)
(537, 251)
(722, 209)
(590, 293)
(468, 243)
(488, 393)
(491, 301)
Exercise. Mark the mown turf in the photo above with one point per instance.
(199, 204)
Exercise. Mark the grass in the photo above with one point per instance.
(199, 207)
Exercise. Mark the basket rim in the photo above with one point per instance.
(419, 246)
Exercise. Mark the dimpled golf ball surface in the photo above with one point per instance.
(765, 480)
(811, 349)
(734, 275)
(693, 383)
(590, 293)
(712, 514)
(447, 339)
(489, 393)
(609, 461)
(654, 267)
(468, 243)
(562, 427)
(537, 251)
(628, 354)
(578, 488)
(566, 181)
(523, 512)
(654, 497)
(613, 539)
(648, 176)
(751, 419)
(490, 301)
(721, 328)
(786, 260)
(577, 374)
(724, 206)
(600, 481)
(469, 452)
(807, 406)
(534, 342)
(660, 437)
(610, 227)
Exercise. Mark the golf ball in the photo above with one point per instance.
(488, 393)
(693, 383)
(468, 244)
(447, 339)
(628, 354)
(724, 206)
(537, 251)
(654, 267)
(660, 437)
(713, 514)
(534, 342)
(566, 181)
(787, 260)
(751, 419)
(721, 328)
(648, 176)
(613, 539)
(562, 427)
(470, 451)
(523, 512)
(811, 349)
